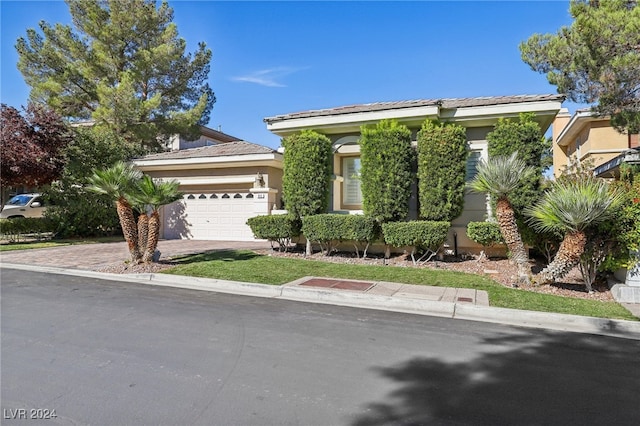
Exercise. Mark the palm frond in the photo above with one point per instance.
(500, 175)
(115, 181)
(573, 206)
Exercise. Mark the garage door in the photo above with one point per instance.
(210, 216)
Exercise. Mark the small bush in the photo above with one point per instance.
(361, 230)
(487, 234)
(14, 229)
(422, 235)
(280, 229)
(326, 229)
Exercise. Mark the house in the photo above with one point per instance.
(587, 138)
(224, 181)
(478, 115)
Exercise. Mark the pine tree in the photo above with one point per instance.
(122, 65)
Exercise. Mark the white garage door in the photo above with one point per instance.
(210, 216)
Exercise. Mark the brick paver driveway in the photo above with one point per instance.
(94, 256)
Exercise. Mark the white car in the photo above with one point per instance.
(23, 205)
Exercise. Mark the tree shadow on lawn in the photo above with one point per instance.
(219, 255)
(536, 378)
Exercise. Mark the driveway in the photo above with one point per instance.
(94, 256)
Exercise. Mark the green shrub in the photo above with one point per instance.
(421, 235)
(325, 229)
(15, 229)
(307, 173)
(386, 175)
(487, 234)
(442, 163)
(523, 135)
(280, 229)
(361, 229)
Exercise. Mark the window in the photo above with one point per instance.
(472, 164)
(351, 193)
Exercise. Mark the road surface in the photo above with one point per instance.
(110, 353)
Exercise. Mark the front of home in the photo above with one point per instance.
(228, 180)
(477, 115)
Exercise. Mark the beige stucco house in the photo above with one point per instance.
(478, 115)
(224, 181)
(585, 137)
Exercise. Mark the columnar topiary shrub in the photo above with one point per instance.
(280, 229)
(307, 174)
(386, 157)
(487, 234)
(524, 136)
(420, 235)
(442, 158)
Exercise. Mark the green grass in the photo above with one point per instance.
(26, 245)
(247, 266)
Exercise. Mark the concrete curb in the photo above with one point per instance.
(561, 322)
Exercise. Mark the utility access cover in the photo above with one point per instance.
(339, 284)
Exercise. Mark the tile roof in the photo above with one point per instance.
(446, 103)
(219, 150)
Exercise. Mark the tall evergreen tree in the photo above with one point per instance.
(596, 59)
(123, 65)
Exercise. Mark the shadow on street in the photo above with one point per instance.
(554, 378)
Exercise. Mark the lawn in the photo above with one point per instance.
(25, 245)
(247, 266)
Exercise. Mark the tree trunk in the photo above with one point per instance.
(153, 238)
(129, 228)
(509, 228)
(567, 257)
(308, 251)
(143, 232)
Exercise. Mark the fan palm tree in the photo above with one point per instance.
(151, 195)
(116, 182)
(498, 177)
(571, 207)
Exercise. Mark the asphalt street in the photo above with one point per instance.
(112, 353)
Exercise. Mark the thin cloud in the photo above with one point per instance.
(269, 77)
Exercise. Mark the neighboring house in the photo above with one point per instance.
(478, 115)
(586, 138)
(224, 180)
(207, 137)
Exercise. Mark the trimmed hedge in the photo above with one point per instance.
(423, 235)
(14, 229)
(330, 229)
(361, 230)
(386, 175)
(442, 164)
(325, 229)
(486, 234)
(278, 229)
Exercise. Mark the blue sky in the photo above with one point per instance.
(273, 58)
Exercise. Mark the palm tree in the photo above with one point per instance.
(498, 177)
(152, 195)
(116, 182)
(571, 207)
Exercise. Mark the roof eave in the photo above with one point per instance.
(272, 159)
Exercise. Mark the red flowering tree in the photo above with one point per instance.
(31, 146)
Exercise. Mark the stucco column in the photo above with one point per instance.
(263, 200)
